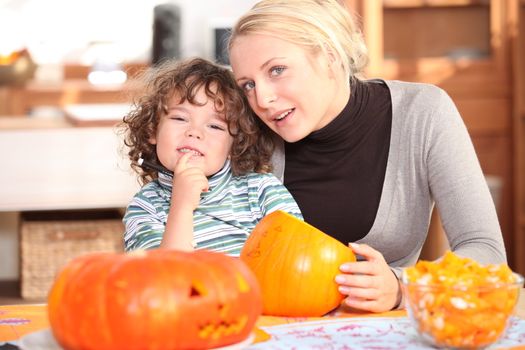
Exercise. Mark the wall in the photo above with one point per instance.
(198, 15)
(66, 30)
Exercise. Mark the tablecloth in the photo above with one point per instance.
(339, 330)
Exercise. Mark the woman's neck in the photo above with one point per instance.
(341, 95)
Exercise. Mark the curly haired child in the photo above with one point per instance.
(203, 159)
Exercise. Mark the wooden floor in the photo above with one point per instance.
(10, 294)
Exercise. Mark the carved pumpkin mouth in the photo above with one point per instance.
(219, 330)
(226, 326)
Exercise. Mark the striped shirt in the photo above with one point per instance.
(225, 217)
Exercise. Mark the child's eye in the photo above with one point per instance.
(177, 117)
(248, 86)
(277, 70)
(217, 127)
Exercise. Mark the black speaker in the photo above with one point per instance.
(221, 36)
(166, 32)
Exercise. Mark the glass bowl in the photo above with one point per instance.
(460, 315)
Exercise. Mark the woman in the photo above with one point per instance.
(365, 160)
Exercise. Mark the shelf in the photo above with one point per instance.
(443, 63)
(24, 122)
(459, 77)
(21, 100)
(398, 4)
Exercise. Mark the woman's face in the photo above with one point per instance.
(293, 91)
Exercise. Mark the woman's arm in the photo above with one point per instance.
(454, 178)
(459, 188)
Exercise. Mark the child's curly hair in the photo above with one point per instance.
(252, 141)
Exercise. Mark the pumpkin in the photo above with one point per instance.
(295, 264)
(160, 299)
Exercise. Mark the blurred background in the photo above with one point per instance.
(80, 32)
(67, 71)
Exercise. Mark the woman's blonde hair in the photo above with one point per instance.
(317, 25)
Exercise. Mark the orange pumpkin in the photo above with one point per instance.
(157, 299)
(295, 264)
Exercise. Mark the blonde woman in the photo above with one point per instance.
(366, 160)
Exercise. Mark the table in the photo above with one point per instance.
(361, 328)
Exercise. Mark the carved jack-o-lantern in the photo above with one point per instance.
(157, 299)
(295, 264)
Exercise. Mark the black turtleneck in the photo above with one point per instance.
(336, 174)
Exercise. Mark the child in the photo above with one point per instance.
(194, 121)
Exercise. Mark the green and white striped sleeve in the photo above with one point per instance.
(274, 196)
(145, 221)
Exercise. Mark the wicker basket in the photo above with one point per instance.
(51, 239)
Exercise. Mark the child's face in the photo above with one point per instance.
(200, 130)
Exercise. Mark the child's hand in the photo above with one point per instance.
(188, 183)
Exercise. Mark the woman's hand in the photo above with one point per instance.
(369, 284)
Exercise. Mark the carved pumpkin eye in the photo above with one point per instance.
(198, 290)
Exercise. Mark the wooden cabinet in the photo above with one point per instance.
(463, 46)
(518, 49)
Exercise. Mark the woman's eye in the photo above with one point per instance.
(277, 70)
(248, 86)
